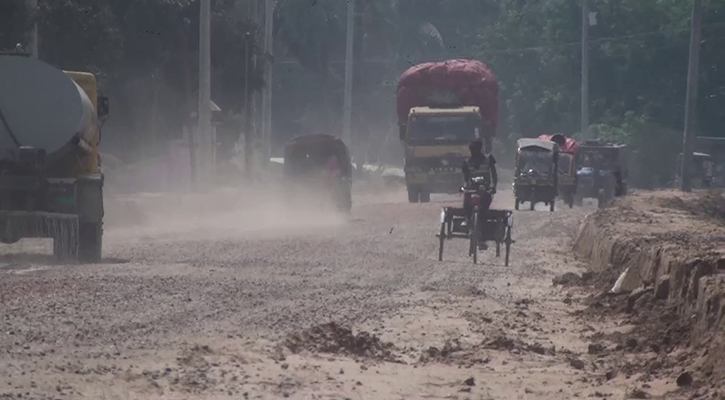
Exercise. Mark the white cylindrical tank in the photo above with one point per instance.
(41, 107)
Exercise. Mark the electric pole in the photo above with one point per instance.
(247, 111)
(347, 107)
(32, 6)
(585, 70)
(691, 101)
(205, 92)
(267, 98)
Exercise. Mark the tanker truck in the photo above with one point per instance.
(51, 183)
(442, 107)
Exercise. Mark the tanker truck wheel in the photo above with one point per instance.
(412, 194)
(90, 241)
(424, 196)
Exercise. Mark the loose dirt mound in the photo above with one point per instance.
(668, 248)
(334, 339)
(709, 205)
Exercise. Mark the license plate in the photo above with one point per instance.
(65, 200)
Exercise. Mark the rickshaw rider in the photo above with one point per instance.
(480, 165)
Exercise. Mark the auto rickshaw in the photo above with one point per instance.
(319, 163)
(536, 175)
(700, 172)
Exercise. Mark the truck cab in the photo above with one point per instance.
(436, 145)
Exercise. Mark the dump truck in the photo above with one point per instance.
(442, 107)
(567, 165)
(51, 182)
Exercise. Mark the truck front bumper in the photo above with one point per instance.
(16, 225)
(435, 182)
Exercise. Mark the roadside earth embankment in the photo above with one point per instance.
(658, 260)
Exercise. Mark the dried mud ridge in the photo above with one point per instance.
(332, 338)
(669, 262)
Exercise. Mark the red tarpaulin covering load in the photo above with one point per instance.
(566, 145)
(449, 83)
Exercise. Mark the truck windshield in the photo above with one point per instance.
(459, 128)
(595, 159)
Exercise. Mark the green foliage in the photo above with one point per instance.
(146, 54)
(14, 23)
(638, 52)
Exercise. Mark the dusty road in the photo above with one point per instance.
(238, 300)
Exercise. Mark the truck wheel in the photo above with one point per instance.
(551, 205)
(412, 195)
(90, 242)
(424, 196)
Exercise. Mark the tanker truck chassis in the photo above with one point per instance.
(51, 183)
(69, 211)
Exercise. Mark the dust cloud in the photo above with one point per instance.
(220, 212)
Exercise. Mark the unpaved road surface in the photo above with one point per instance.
(235, 299)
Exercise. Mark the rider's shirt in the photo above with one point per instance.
(479, 165)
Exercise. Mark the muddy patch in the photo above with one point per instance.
(332, 338)
(708, 205)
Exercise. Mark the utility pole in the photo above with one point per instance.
(347, 107)
(585, 70)
(204, 143)
(247, 111)
(691, 102)
(32, 6)
(267, 99)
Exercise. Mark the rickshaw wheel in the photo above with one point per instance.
(508, 244)
(475, 235)
(498, 248)
(551, 206)
(516, 204)
(533, 205)
(442, 239)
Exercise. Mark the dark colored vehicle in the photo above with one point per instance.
(603, 172)
(715, 147)
(320, 163)
(537, 172)
(51, 181)
(700, 171)
(478, 226)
